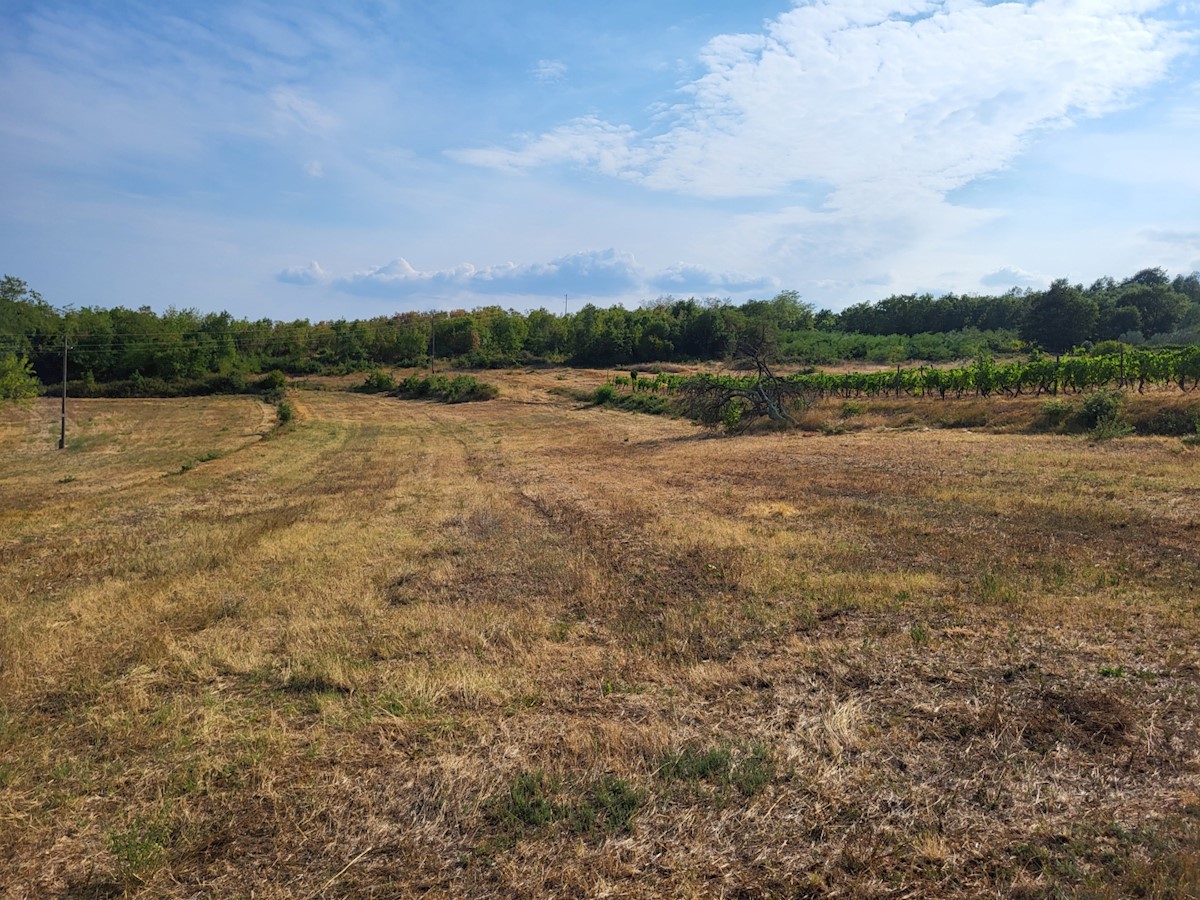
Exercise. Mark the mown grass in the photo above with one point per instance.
(529, 648)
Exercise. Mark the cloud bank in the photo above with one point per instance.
(596, 274)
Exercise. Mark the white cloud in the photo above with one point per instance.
(1011, 276)
(610, 275)
(693, 279)
(314, 169)
(595, 273)
(587, 141)
(549, 70)
(310, 274)
(891, 103)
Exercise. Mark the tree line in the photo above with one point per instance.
(181, 346)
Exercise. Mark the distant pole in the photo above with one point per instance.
(62, 434)
(432, 340)
(564, 306)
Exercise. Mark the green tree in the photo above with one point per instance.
(1061, 317)
(17, 381)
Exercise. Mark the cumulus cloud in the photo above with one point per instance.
(310, 274)
(1011, 276)
(610, 275)
(595, 273)
(892, 102)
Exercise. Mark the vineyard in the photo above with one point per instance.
(1137, 370)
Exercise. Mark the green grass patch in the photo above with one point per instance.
(749, 772)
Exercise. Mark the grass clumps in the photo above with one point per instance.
(749, 771)
(459, 389)
(534, 802)
(139, 848)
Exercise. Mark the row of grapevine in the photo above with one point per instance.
(1044, 375)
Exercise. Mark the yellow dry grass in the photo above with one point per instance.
(530, 648)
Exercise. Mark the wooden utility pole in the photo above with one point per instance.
(62, 434)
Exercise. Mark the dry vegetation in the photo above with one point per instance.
(531, 648)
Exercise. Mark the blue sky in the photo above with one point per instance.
(348, 160)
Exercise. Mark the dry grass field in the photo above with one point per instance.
(532, 648)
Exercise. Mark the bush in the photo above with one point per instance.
(285, 411)
(1102, 406)
(17, 381)
(604, 395)
(459, 389)
(1108, 348)
(1175, 422)
(274, 380)
(1107, 429)
(378, 382)
(272, 385)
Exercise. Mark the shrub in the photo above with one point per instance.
(1107, 429)
(378, 382)
(459, 389)
(604, 395)
(1102, 406)
(274, 380)
(1172, 421)
(285, 411)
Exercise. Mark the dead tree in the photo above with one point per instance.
(736, 402)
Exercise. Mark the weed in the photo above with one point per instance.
(613, 804)
(919, 634)
(694, 764)
(526, 803)
(755, 771)
(139, 847)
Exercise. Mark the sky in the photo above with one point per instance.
(325, 161)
